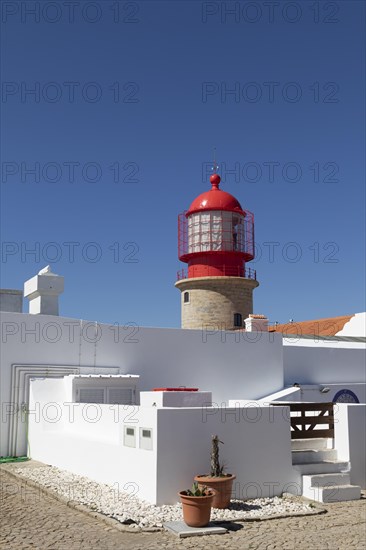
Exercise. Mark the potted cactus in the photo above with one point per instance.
(197, 503)
(217, 480)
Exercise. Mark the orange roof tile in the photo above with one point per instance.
(318, 327)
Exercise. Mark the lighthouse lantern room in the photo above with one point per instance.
(216, 240)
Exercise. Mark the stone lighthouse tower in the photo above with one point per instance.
(216, 240)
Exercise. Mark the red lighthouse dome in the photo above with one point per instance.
(215, 199)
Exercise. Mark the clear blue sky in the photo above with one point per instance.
(148, 90)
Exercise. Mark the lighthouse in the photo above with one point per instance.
(216, 240)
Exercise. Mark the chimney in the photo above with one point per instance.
(256, 323)
(43, 291)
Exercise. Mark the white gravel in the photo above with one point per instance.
(128, 509)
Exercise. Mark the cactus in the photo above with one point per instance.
(195, 491)
(216, 467)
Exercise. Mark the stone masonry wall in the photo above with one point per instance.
(214, 300)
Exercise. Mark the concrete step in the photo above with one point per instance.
(325, 480)
(315, 444)
(309, 456)
(325, 467)
(334, 493)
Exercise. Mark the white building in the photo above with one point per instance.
(53, 401)
(78, 394)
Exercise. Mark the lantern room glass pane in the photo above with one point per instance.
(227, 231)
(205, 231)
(215, 231)
(216, 234)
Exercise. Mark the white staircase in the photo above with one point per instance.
(324, 477)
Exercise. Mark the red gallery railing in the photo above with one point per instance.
(228, 271)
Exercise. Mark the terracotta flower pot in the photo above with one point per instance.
(196, 510)
(222, 486)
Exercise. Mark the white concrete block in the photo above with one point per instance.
(47, 284)
(182, 530)
(324, 480)
(310, 456)
(315, 444)
(256, 323)
(335, 493)
(43, 291)
(328, 467)
(175, 398)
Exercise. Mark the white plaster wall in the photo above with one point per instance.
(231, 365)
(356, 326)
(350, 439)
(257, 448)
(310, 362)
(88, 440)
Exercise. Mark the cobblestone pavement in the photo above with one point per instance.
(32, 519)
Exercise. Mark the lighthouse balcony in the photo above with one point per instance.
(212, 271)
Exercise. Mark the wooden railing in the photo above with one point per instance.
(305, 425)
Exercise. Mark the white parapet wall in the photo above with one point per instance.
(350, 439)
(230, 365)
(156, 452)
(102, 442)
(256, 448)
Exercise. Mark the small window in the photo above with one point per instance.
(186, 297)
(238, 320)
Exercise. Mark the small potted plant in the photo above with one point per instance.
(220, 482)
(197, 503)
